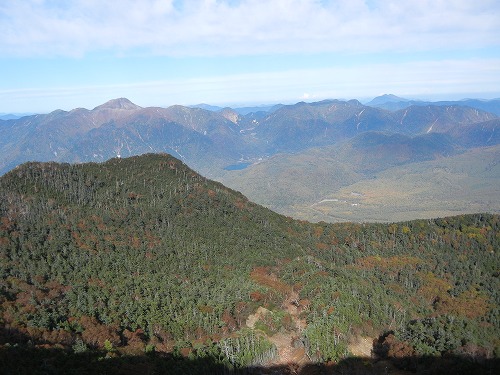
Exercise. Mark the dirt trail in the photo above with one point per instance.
(292, 357)
(252, 319)
(361, 347)
(288, 353)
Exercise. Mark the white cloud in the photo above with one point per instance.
(210, 27)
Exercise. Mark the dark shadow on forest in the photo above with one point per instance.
(26, 358)
(23, 359)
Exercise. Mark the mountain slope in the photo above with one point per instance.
(372, 152)
(208, 140)
(375, 177)
(121, 128)
(437, 119)
(394, 103)
(481, 134)
(305, 125)
(52, 136)
(144, 255)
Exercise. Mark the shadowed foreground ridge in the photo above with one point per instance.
(29, 360)
(22, 357)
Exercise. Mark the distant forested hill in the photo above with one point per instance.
(143, 256)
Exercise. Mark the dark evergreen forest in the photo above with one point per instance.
(144, 257)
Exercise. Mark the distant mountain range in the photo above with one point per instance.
(120, 128)
(13, 116)
(394, 103)
(240, 110)
(361, 139)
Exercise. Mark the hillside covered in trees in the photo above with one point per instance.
(143, 256)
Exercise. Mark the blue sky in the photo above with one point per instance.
(81, 53)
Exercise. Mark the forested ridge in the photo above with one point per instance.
(143, 255)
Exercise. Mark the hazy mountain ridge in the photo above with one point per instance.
(228, 135)
(240, 110)
(13, 116)
(386, 99)
(395, 103)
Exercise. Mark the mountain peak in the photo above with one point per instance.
(386, 98)
(120, 103)
(207, 107)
